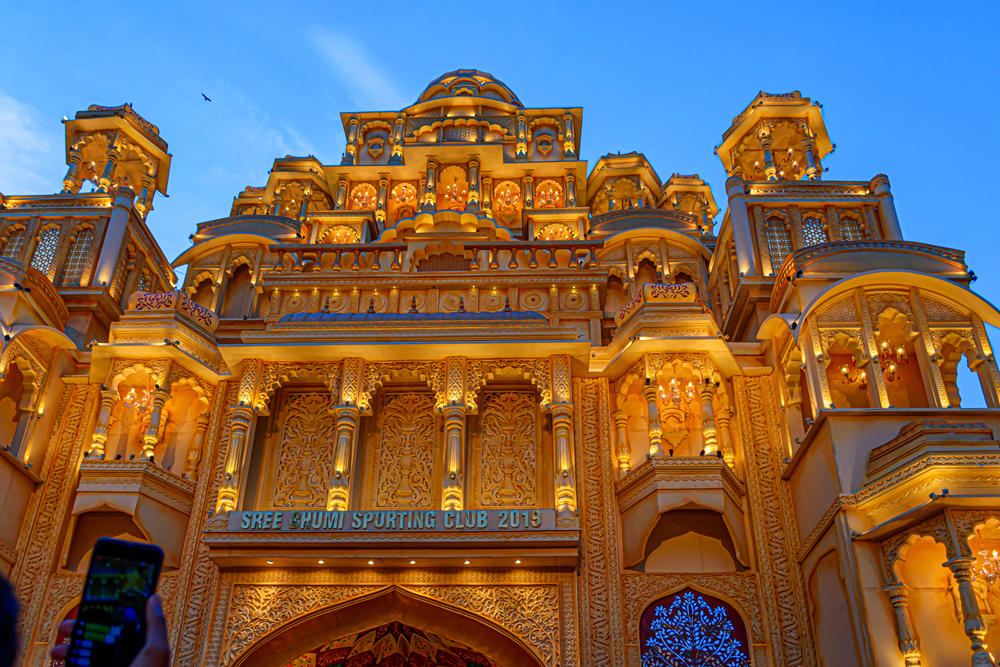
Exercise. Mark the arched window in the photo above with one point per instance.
(16, 243)
(78, 260)
(852, 230)
(45, 250)
(688, 629)
(779, 244)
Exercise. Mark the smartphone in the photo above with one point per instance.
(110, 627)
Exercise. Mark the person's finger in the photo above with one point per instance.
(156, 651)
(66, 627)
(59, 651)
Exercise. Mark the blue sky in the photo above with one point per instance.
(909, 90)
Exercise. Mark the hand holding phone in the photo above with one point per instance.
(116, 611)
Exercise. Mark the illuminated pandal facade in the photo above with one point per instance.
(454, 401)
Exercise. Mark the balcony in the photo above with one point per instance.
(30, 298)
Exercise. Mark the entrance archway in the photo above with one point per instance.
(393, 604)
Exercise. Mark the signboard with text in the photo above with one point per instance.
(392, 521)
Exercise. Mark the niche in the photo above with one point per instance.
(689, 540)
(239, 292)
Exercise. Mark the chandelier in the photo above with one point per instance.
(989, 566)
(507, 200)
(453, 194)
(852, 374)
(676, 395)
(139, 404)
(363, 200)
(889, 363)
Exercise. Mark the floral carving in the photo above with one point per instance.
(406, 448)
(692, 633)
(507, 453)
(305, 458)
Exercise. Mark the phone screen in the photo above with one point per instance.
(110, 625)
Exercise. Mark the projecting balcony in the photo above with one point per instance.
(29, 297)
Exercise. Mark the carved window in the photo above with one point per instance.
(508, 451)
(779, 242)
(406, 449)
(45, 249)
(813, 231)
(16, 244)
(303, 459)
(851, 230)
(688, 629)
(78, 260)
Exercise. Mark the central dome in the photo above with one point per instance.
(469, 82)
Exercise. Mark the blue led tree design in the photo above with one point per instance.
(692, 633)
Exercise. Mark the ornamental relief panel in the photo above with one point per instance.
(506, 461)
(406, 451)
(303, 462)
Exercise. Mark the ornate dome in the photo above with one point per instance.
(469, 82)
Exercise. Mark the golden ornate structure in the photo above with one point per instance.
(454, 396)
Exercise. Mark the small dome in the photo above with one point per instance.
(469, 82)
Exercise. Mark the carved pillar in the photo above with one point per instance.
(726, 437)
(72, 181)
(304, 209)
(340, 486)
(108, 399)
(529, 189)
(351, 152)
(570, 188)
(383, 197)
(833, 223)
(429, 198)
(521, 150)
(649, 392)
(798, 233)
(145, 194)
(240, 428)
(813, 172)
(109, 168)
(886, 208)
(562, 429)
(708, 431)
(397, 140)
(740, 222)
(624, 451)
(905, 637)
(454, 464)
(975, 628)
(472, 202)
(114, 238)
(277, 202)
(487, 195)
(341, 201)
(152, 435)
(569, 141)
(197, 444)
(769, 169)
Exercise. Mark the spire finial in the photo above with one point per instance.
(413, 305)
(461, 304)
(371, 305)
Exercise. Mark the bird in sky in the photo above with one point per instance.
(206, 97)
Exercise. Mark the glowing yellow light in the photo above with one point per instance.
(517, 562)
(466, 562)
(270, 562)
(320, 562)
(371, 562)
(413, 562)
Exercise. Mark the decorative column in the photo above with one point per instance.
(708, 431)
(429, 199)
(72, 181)
(813, 172)
(769, 169)
(905, 636)
(529, 189)
(351, 152)
(472, 202)
(624, 451)
(194, 453)
(726, 437)
(397, 140)
(152, 435)
(562, 429)
(240, 427)
(886, 208)
(276, 202)
(340, 486)
(649, 392)
(341, 201)
(304, 209)
(521, 150)
(570, 188)
(109, 168)
(142, 203)
(114, 238)
(108, 399)
(487, 195)
(975, 628)
(741, 227)
(569, 143)
(454, 434)
(383, 198)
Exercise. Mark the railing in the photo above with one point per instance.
(368, 256)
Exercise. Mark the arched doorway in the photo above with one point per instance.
(382, 614)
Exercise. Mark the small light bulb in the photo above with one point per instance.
(270, 562)
(371, 562)
(413, 562)
(467, 562)
(320, 562)
(517, 562)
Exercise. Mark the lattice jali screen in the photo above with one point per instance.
(850, 230)
(16, 244)
(79, 260)
(45, 249)
(779, 242)
(812, 231)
